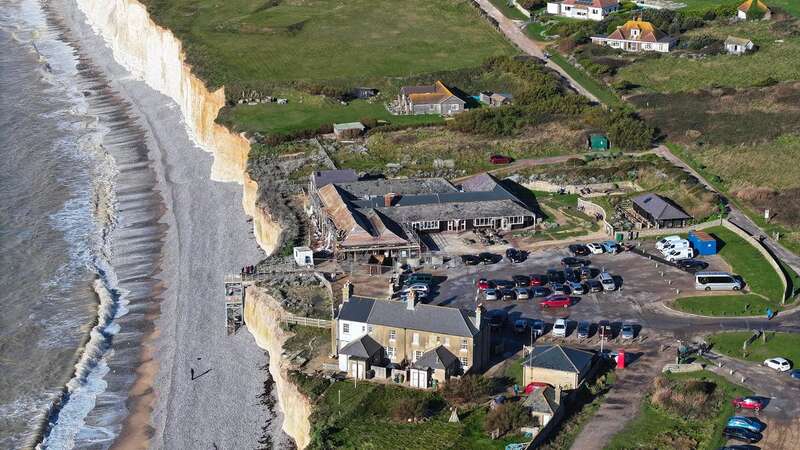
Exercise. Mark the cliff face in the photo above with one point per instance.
(155, 55)
(262, 315)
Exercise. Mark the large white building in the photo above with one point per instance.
(583, 9)
(637, 36)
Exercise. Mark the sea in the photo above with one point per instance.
(80, 239)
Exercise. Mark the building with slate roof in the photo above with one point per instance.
(434, 99)
(361, 355)
(386, 216)
(583, 9)
(659, 212)
(637, 36)
(544, 404)
(437, 340)
(557, 365)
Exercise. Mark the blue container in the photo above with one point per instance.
(703, 243)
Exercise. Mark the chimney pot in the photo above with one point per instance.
(411, 300)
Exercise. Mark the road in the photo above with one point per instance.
(511, 29)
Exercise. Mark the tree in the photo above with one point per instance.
(507, 417)
(468, 389)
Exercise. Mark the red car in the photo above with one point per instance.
(752, 403)
(499, 159)
(537, 280)
(483, 284)
(556, 301)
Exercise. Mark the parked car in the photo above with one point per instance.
(556, 301)
(497, 318)
(521, 280)
(585, 273)
(742, 434)
(470, 260)
(558, 288)
(488, 258)
(795, 374)
(752, 403)
(604, 329)
(569, 275)
(595, 248)
(515, 256)
(594, 286)
(675, 245)
(484, 284)
(584, 328)
(607, 281)
(555, 276)
(419, 287)
(538, 280)
(663, 242)
(579, 250)
(560, 328)
(610, 247)
(419, 277)
(572, 262)
(750, 423)
(716, 281)
(490, 294)
(628, 331)
(537, 327)
(509, 294)
(779, 364)
(540, 291)
(520, 325)
(692, 265)
(500, 159)
(576, 288)
(503, 284)
(522, 293)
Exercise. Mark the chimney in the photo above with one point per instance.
(411, 300)
(478, 313)
(390, 199)
(347, 289)
(558, 394)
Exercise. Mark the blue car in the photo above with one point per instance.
(795, 374)
(747, 423)
(610, 247)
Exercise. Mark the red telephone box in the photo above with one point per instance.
(620, 359)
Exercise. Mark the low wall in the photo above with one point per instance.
(647, 232)
(594, 209)
(597, 189)
(764, 252)
(522, 9)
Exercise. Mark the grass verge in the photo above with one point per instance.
(590, 84)
(508, 10)
(786, 345)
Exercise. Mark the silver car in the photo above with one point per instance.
(490, 294)
(522, 293)
(577, 288)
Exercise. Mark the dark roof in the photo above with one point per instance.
(403, 186)
(364, 348)
(430, 318)
(438, 358)
(325, 177)
(541, 400)
(659, 207)
(423, 89)
(480, 182)
(456, 210)
(556, 357)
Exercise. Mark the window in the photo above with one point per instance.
(464, 345)
(464, 362)
(425, 225)
(392, 335)
(390, 353)
(345, 328)
(415, 339)
(482, 222)
(516, 220)
(417, 355)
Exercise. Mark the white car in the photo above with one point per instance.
(667, 241)
(595, 248)
(779, 364)
(419, 287)
(560, 328)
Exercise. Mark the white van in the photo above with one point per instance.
(716, 281)
(666, 241)
(607, 281)
(560, 328)
(677, 255)
(675, 245)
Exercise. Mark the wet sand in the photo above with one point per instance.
(208, 235)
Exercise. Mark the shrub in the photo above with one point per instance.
(410, 408)
(468, 389)
(567, 45)
(506, 417)
(530, 5)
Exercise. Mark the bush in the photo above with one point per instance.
(411, 408)
(468, 389)
(530, 5)
(701, 41)
(506, 417)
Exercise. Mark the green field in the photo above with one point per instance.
(758, 274)
(509, 11)
(590, 84)
(668, 73)
(786, 345)
(657, 427)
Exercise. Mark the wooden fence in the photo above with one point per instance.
(291, 319)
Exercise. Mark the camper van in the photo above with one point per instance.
(675, 245)
(677, 255)
(666, 241)
(716, 281)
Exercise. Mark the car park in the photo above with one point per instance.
(607, 281)
(520, 325)
(691, 265)
(521, 280)
(522, 293)
(556, 301)
(742, 434)
(579, 250)
(751, 403)
(538, 280)
(560, 328)
(509, 294)
(576, 288)
(628, 331)
(572, 262)
(584, 327)
(488, 258)
(558, 288)
(470, 260)
(594, 286)
(490, 294)
(595, 248)
(540, 291)
(537, 327)
(779, 364)
(666, 241)
(604, 329)
(750, 423)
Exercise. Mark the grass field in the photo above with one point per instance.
(242, 41)
(746, 261)
(786, 345)
(776, 60)
(590, 84)
(661, 428)
(509, 11)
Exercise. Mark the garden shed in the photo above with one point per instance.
(704, 243)
(598, 142)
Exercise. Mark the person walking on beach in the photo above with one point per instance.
(192, 372)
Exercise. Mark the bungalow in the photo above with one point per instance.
(556, 365)
(349, 130)
(753, 10)
(637, 36)
(424, 342)
(655, 211)
(738, 46)
(433, 99)
(583, 9)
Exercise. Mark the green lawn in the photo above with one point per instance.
(786, 345)
(659, 428)
(757, 273)
(509, 11)
(703, 5)
(590, 84)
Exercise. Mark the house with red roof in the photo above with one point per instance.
(583, 9)
(753, 10)
(637, 36)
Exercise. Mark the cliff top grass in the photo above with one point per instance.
(248, 41)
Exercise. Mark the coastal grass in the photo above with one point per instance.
(508, 10)
(603, 93)
(656, 427)
(786, 345)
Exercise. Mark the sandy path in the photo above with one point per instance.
(208, 236)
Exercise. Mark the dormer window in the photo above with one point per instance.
(635, 32)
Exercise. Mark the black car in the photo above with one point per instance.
(555, 276)
(540, 291)
(569, 275)
(470, 260)
(515, 256)
(509, 294)
(487, 258)
(579, 250)
(583, 329)
(742, 434)
(585, 273)
(571, 262)
(521, 280)
(594, 286)
(692, 265)
(503, 284)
